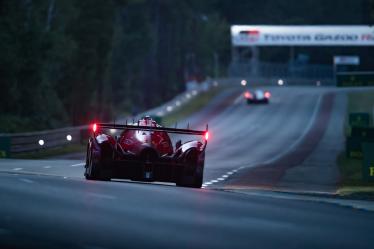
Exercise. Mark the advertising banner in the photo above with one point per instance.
(324, 35)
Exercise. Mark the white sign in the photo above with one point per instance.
(346, 60)
(264, 35)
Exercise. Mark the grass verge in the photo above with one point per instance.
(47, 153)
(196, 104)
(352, 183)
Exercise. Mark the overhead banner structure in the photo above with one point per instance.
(266, 35)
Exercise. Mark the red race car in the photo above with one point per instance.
(144, 152)
(257, 96)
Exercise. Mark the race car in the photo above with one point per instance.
(144, 152)
(257, 96)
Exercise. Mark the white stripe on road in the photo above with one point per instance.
(77, 165)
(17, 169)
(47, 167)
(223, 177)
(239, 99)
(26, 180)
(102, 196)
(303, 135)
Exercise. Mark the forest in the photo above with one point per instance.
(66, 62)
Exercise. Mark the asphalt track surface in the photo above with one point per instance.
(48, 204)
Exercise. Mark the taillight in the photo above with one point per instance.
(206, 135)
(247, 95)
(267, 95)
(94, 127)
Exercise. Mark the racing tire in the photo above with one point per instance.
(93, 169)
(194, 181)
(190, 179)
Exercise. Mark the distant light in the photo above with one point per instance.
(215, 83)
(112, 131)
(178, 103)
(280, 82)
(206, 135)
(194, 92)
(318, 83)
(243, 82)
(41, 142)
(160, 113)
(69, 137)
(94, 127)
(169, 108)
(188, 95)
(267, 95)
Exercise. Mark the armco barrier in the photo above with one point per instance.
(31, 141)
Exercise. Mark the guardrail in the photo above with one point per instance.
(34, 141)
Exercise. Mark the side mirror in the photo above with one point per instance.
(178, 144)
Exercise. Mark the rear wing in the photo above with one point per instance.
(148, 128)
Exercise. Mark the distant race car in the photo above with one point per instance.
(257, 96)
(144, 152)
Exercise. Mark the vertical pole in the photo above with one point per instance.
(254, 60)
(233, 69)
(292, 60)
(334, 71)
(216, 66)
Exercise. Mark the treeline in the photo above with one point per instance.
(66, 62)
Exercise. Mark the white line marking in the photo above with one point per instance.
(17, 169)
(305, 132)
(357, 204)
(293, 145)
(77, 165)
(238, 99)
(47, 167)
(26, 180)
(102, 196)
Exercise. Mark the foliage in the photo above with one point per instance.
(67, 62)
